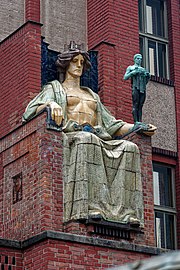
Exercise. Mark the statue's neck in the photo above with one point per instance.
(72, 83)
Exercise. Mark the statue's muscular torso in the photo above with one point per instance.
(81, 106)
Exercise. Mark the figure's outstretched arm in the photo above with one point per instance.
(147, 129)
(124, 129)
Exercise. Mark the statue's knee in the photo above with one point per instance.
(131, 147)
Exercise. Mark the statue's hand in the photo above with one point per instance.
(151, 129)
(147, 129)
(56, 112)
(134, 71)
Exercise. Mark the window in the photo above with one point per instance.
(164, 205)
(153, 36)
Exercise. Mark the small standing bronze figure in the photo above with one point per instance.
(139, 78)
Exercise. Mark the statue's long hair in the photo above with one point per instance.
(65, 58)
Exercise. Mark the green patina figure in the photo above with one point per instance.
(101, 175)
(139, 78)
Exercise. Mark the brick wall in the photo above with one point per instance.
(144, 144)
(53, 254)
(20, 55)
(113, 32)
(32, 10)
(60, 251)
(11, 258)
(36, 154)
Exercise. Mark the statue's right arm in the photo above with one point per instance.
(44, 99)
(130, 71)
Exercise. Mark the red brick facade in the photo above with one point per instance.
(20, 55)
(37, 154)
(32, 10)
(11, 257)
(55, 255)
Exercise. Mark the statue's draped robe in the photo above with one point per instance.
(101, 175)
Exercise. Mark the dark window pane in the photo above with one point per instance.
(141, 49)
(159, 229)
(155, 17)
(162, 180)
(141, 45)
(140, 8)
(13, 261)
(169, 220)
(162, 60)
(6, 259)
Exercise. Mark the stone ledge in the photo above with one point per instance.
(164, 152)
(162, 80)
(60, 236)
(10, 243)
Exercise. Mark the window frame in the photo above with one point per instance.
(155, 38)
(166, 209)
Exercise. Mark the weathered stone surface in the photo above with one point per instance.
(63, 21)
(159, 109)
(11, 16)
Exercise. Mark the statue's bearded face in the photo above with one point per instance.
(76, 66)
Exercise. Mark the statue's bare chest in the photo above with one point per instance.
(81, 106)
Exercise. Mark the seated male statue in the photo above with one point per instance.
(101, 175)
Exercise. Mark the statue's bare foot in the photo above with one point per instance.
(134, 222)
(96, 215)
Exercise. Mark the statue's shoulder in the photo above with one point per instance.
(132, 67)
(54, 85)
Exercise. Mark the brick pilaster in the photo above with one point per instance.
(32, 10)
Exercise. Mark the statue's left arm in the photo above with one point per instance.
(119, 128)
